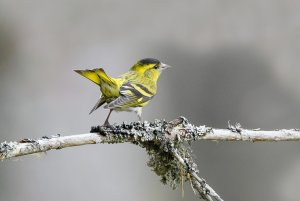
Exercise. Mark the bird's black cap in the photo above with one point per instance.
(149, 61)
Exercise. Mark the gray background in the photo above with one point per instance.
(233, 60)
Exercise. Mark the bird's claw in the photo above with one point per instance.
(107, 125)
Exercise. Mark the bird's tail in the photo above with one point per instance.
(96, 75)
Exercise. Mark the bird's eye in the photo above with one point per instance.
(156, 66)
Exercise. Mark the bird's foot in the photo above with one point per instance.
(107, 125)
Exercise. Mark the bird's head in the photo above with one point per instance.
(149, 64)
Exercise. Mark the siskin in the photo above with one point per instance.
(130, 91)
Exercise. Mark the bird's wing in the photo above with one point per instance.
(132, 95)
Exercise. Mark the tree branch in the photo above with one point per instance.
(164, 141)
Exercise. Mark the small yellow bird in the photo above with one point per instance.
(130, 91)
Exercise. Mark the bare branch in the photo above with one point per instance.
(31, 146)
(164, 142)
(146, 132)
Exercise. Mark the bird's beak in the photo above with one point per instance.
(163, 66)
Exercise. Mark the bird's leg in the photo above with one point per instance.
(139, 113)
(106, 123)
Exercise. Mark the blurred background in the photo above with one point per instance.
(233, 60)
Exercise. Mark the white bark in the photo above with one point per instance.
(252, 135)
(28, 146)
